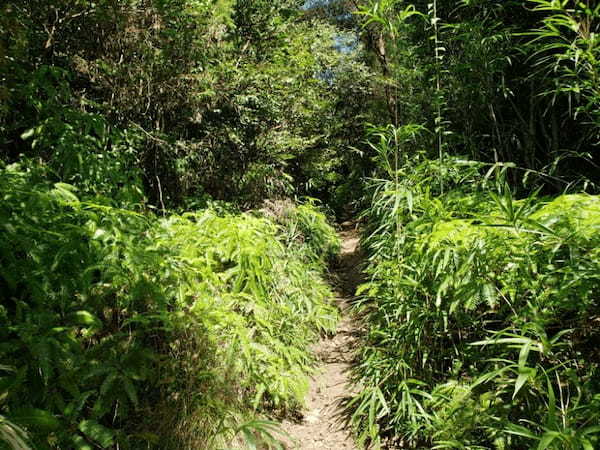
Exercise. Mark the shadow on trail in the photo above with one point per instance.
(323, 423)
(347, 270)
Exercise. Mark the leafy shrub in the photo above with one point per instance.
(306, 229)
(192, 96)
(12, 435)
(80, 148)
(480, 312)
(119, 328)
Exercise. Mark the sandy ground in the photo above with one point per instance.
(320, 427)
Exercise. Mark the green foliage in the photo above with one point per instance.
(262, 434)
(12, 435)
(307, 231)
(498, 81)
(172, 100)
(480, 311)
(81, 148)
(122, 327)
(108, 315)
(567, 47)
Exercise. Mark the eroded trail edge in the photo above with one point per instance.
(320, 426)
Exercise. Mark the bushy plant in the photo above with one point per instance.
(306, 230)
(480, 312)
(119, 328)
(566, 46)
(190, 96)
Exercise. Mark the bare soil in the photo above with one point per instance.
(320, 426)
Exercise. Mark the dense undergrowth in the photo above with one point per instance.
(482, 312)
(140, 308)
(214, 98)
(119, 327)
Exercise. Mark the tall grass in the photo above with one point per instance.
(481, 312)
(120, 328)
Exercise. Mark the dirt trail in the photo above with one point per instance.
(320, 427)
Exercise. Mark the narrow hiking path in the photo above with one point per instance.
(320, 427)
